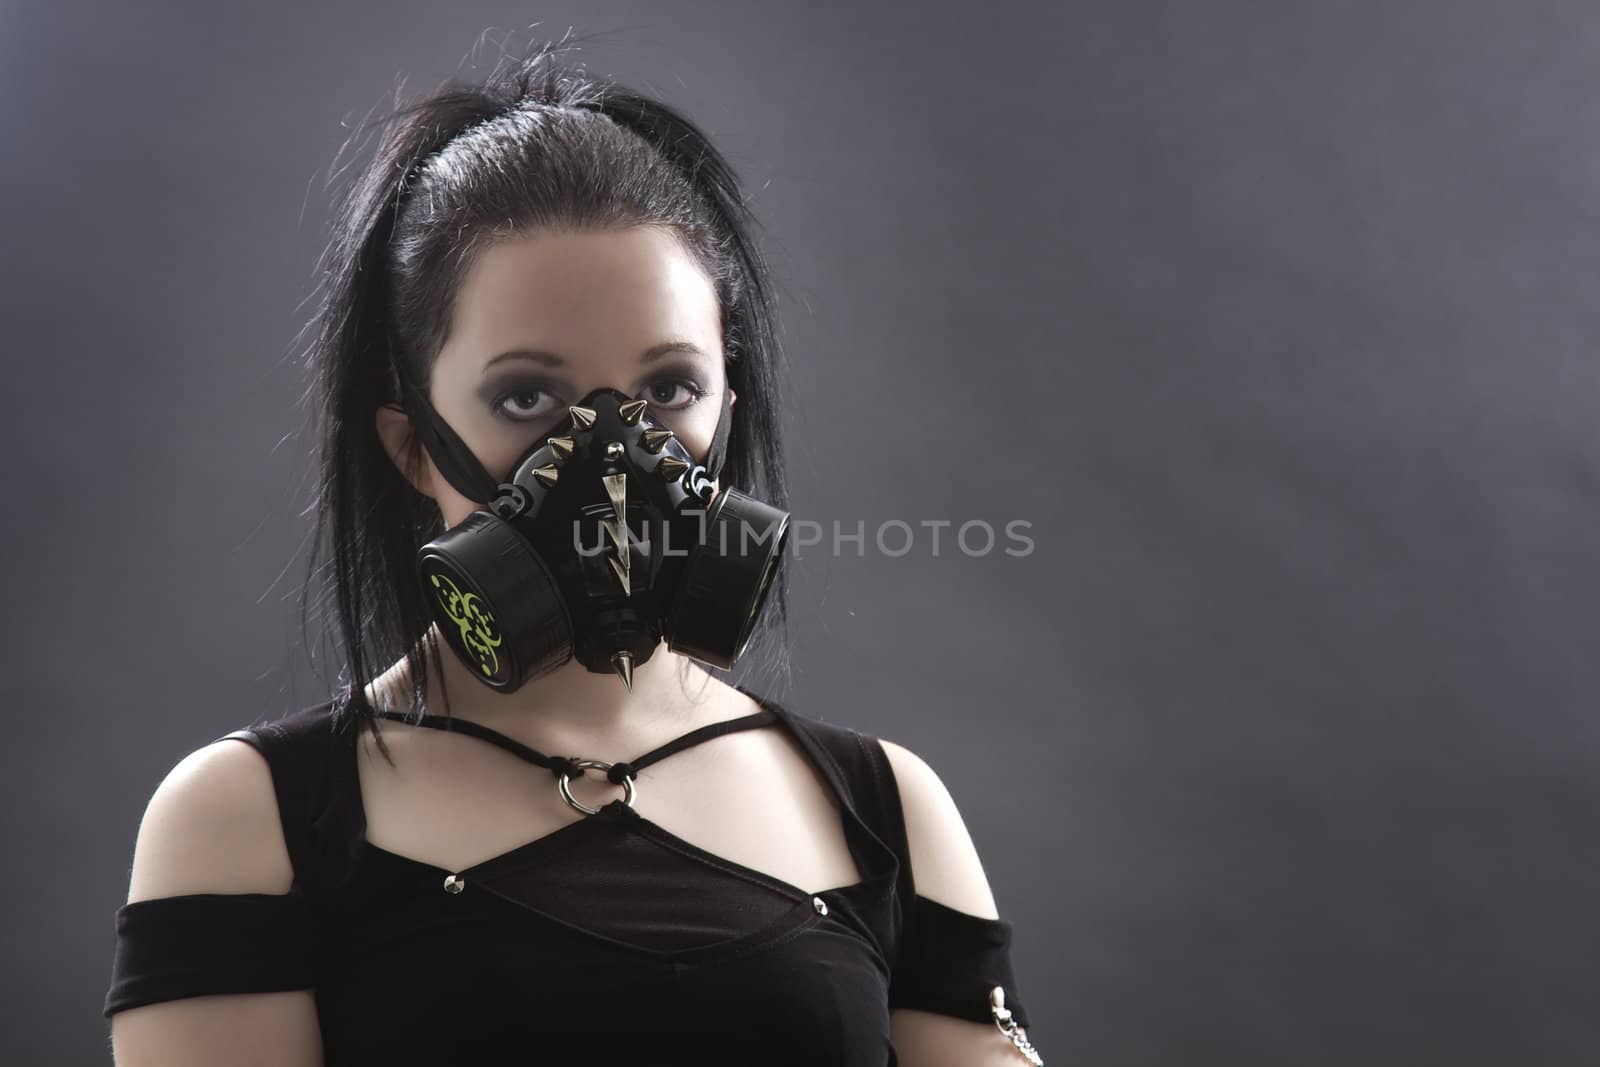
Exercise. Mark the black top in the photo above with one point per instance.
(609, 934)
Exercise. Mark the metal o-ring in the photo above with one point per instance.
(563, 785)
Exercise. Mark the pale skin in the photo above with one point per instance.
(598, 301)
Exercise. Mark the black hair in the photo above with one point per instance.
(538, 144)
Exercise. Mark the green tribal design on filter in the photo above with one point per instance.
(473, 621)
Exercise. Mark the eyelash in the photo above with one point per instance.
(696, 394)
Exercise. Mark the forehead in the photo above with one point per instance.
(574, 288)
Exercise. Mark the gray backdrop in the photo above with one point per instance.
(1273, 320)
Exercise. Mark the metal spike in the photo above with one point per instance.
(617, 490)
(619, 535)
(655, 440)
(561, 446)
(547, 474)
(623, 664)
(621, 571)
(582, 417)
(671, 467)
(631, 411)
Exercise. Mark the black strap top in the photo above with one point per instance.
(609, 933)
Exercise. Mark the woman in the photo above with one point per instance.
(386, 877)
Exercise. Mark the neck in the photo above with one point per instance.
(570, 708)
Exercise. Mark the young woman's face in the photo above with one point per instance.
(543, 319)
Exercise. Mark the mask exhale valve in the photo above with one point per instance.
(600, 546)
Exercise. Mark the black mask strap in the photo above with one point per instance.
(449, 453)
(719, 440)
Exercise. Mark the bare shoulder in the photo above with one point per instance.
(212, 826)
(944, 862)
(944, 868)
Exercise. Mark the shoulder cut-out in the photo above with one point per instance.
(944, 862)
(212, 826)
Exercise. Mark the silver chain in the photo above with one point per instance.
(1010, 1027)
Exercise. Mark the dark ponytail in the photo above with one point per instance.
(537, 144)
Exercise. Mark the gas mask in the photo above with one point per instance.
(599, 545)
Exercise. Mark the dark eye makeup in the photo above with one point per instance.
(520, 400)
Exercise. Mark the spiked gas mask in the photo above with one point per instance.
(599, 545)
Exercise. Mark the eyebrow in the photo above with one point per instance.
(550, 359)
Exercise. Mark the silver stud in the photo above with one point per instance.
(547, 474)
(622, 663)
(820, 904)
(617, 489)
(582, 417)
(671, 467)
(621, 571)
(452, 884)
(631, 411)
(561, 446)
(613, 449)
(654, 440)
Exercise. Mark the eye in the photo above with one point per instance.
(526, 403)
(662, 392)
